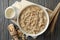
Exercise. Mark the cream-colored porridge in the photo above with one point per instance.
(32, 19)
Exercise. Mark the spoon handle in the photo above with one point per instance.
(56, 10)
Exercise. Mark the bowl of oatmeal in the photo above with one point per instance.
(33, 20)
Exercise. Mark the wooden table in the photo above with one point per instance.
(51, 4)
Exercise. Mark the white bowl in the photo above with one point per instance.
(35, 35)
(12, 15)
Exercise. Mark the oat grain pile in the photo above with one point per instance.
(32, 19)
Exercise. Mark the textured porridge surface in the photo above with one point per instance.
(32, 19)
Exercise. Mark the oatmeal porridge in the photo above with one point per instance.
(32, 19)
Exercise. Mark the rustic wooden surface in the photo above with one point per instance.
(51, 4)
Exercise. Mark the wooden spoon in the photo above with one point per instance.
(53, 17)
(55, 14)
(56, 10)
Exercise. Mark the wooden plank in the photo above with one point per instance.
(1, 20)
(52, 4)
(5, 22)
(57, 28)
(57, 32)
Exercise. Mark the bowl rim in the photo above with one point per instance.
(39, 32)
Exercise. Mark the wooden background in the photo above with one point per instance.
(51, 4)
